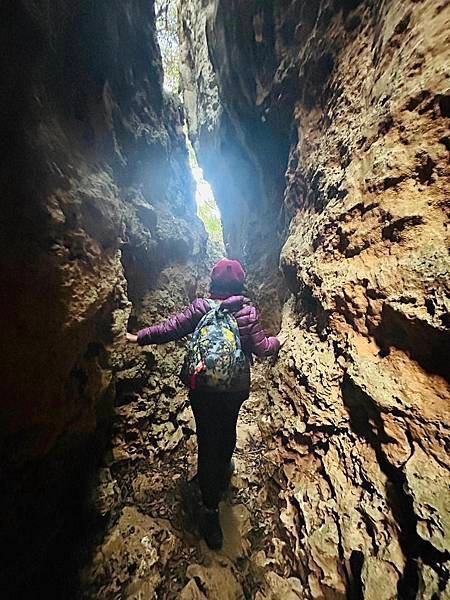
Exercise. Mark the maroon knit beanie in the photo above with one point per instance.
(227, 274)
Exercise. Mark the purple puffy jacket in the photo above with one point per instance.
(253, 338)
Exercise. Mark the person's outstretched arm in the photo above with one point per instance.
(175, 328)
(262, 344)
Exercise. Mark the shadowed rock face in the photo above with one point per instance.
(242, 147)
(325, 126)
(95, 190)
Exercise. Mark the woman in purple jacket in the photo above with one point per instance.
(216, 413)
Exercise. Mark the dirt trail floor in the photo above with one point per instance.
(152, 548)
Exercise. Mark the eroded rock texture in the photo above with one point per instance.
(95, 189)
(243, 152)
(350, 101)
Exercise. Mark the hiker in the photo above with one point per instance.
(227, 331)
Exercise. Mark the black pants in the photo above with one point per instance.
(216, 415)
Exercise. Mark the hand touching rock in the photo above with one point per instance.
(282, 336)
(132, 338)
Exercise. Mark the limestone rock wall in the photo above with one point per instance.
(358, 95)
(96, 200)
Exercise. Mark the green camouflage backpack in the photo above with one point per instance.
(214, 357)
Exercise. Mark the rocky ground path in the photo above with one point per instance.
(151, 548)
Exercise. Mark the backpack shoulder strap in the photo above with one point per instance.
(213, 306)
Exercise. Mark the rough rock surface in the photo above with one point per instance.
(243, 155)
(359, 94)
(151, 547)
(96, 189)
(323, 127)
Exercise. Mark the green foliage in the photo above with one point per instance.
(166, 27)
(208, 214)
(207, 209)
(167, 30)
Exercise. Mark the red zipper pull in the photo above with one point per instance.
(199, 368)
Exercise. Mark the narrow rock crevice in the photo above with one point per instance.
(323, 130)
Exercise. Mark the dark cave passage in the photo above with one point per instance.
(323, 133)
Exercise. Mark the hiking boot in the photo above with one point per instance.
(210, 528)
